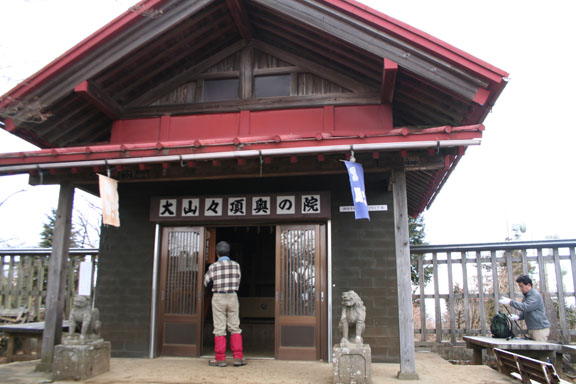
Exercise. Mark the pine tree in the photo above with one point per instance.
(47, 234)
(416, 228)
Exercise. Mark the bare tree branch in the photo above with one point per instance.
(11, 195)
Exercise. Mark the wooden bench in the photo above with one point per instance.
(30, 337)
(530, 370)
(535, 349)
(13, 316)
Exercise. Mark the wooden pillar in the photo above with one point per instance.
(403, 277)
(55, 295)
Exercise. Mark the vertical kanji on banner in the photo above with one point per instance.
(356, 174)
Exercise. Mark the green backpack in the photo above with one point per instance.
(500, 326)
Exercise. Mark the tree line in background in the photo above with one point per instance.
(86, 222)
(85, 232)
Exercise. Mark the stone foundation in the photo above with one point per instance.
(81, 361)
(352, 364)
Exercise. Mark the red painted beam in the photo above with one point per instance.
(151, 149)
(389, 73)
(96, 97)
(9, 125)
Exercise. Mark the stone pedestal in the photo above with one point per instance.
(81, 361)
(352, 364)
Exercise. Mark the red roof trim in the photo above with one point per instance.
(419, 37)
(81, 49)
(115, 151)
(439, 181)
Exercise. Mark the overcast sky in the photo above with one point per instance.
(523, 173)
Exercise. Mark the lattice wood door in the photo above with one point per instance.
(180, 292)
(299, 300)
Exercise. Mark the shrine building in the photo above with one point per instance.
(230, 120)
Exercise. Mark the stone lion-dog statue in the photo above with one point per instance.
(353, 315)
(85, 317)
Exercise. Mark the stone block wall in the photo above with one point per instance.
(364, 260)
(363, 257)
(123, 290)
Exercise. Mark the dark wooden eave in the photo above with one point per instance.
(74, 100)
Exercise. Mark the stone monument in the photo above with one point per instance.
(352, 359)
(81, 355)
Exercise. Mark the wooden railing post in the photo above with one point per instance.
(55, 295)
(497, 266)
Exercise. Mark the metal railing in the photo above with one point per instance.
(463, 283)
(23, 278)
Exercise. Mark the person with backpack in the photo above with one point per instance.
(531, 309)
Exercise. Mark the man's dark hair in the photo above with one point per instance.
(223, 248)
(524, 279)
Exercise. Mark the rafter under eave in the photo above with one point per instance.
(240, 18)
(95, 96)
(388, 80)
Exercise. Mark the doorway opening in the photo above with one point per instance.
(253, 247)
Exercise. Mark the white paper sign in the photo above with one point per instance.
(85, 279)
(109, 198)
(350, 208)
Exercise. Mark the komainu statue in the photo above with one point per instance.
(83, 316)
(353, 315)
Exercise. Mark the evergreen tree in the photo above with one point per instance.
(416, 228)
(47, 234)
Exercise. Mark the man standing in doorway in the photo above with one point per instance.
(225, 277)
(532, 310)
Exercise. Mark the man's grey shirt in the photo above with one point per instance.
(533, 312)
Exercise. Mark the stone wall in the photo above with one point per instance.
(123, 291)
(364, 260)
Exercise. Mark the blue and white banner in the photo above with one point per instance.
(356, 173)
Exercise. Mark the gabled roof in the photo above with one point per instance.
(123, 71)
(156, 40)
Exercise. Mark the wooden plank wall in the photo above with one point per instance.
(451, 305)
(23, 280)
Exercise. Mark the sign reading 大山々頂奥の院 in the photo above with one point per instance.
(300, 205)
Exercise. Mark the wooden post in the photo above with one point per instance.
(403, 277)
(55, 295)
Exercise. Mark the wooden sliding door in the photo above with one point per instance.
(300, 292)
(180, 292)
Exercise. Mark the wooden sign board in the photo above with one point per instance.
(280, 206)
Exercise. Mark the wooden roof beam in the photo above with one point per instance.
(95, 96)
(240, 18)
(388, 80)
(101, 51)
(428, 65)
(159, 91)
